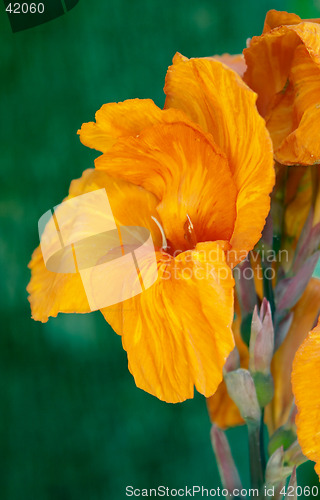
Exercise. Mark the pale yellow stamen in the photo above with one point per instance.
(164, 239)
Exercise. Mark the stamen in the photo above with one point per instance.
(164, 239)
(189, 233)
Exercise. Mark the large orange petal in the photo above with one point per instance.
(305, 315)
(178, 332)
(50, 292)
(123, 119)
(269, 58)
(216, 98)
(306, 389)
(187, 172)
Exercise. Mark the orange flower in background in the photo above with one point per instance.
(306, 389)
(283, 67)
(305, 314)
(200, 172)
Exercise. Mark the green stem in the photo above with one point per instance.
(262, 450)
(268, 288)
(255, 452)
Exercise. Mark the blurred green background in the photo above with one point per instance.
(72, 423)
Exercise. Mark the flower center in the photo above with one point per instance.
(189, 236)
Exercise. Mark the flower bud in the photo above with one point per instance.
(276, 471)
(261, 352)
(242, 391)
(262, 340)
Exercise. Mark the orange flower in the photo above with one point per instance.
(204, 172)
(283, 67)
(306, 389)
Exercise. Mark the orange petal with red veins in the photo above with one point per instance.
(123, 119)
(50, 292)
(216, 98)
(178, 332)
(306, 389)
(305, 315)
(189, 175)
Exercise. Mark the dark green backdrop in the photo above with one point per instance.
(72, 423)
